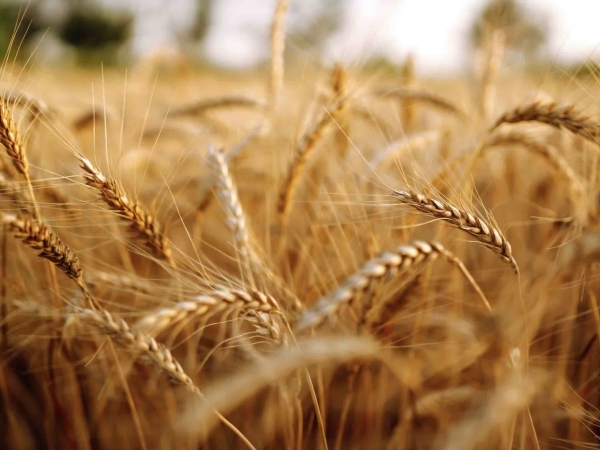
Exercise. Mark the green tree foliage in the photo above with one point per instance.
(523, 33)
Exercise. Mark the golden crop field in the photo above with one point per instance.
(315, 257)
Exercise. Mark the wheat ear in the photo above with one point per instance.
(422, 96)
(227, 193)
(494, 53)
(339, 84)
(142, 223)
(395, 149)
(202, 305)
(150, 352)
(387, 265)
(567, 117)
(230, 101)
(277, 52)
(548, 152)
(466, 221)
(305, 149)
(40, 237)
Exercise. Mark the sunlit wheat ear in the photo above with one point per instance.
(305, 149)
(143, 224)
(227, 193)
(418, 95)
(386, 265)
(277, 52)
(221, 299)
(549, 153)
(231, 101)
(39, 237)
(11, 139)
(466, 221)
(567, 117)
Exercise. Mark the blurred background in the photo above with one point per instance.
(440, 35)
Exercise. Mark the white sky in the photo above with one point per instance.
(434, 30)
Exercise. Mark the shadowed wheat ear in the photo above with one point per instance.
(40, 237)
(149, 351)
(548, 152)
(411, 142)
(305, 148)
(387, 265)
(142, 223)
(220, 299)
(567, 117)
(418, 95)
(277, 52)
(466, 221)
(230, 101)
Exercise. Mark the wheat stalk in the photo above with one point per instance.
(202, 305)
(277, 52)
(386, 265)
(485, 233)
(40, 237)
(567, 117)
(142, 222)
(304, 151)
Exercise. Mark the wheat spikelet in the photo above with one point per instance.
(466, 221)
(227, 193)
(303, 153)
(277, 51)
(567, 117)
(395, 149)
(142, 223)
(548, 152)
(11, 139)
(150, 351)
(202, 305)
(204, 105)
(419, 95)
(39, 237)
(387, 265)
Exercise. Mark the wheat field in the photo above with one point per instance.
(315, 257)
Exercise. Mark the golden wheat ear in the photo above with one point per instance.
(477, 227)
(143, 224)
(39, 236)
(567, 117)
(387, 264)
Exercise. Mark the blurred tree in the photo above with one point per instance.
(93, 30)
(311, 25)
(201, 21)
(524, 34)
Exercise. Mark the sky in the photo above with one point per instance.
(435, 31)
